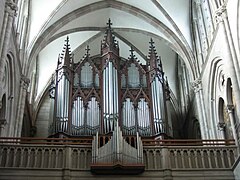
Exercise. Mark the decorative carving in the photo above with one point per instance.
(25, 82)
(221, 14)
(11, 7)
(230, 108)
(221, 126)
(197, 85)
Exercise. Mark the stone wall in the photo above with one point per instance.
(44, 118)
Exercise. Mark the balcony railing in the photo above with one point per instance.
(76, 153)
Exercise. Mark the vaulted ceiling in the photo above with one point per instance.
(134, 23)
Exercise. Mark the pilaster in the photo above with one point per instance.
(197, 86)
(230, 109)
(21, 105)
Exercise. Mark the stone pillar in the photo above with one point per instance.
(201, 108)
(10, 12)
(21, 105)
(234, 69)
(230, 109)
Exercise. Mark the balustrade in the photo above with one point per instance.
(78, 154)
(177, 157)
(42, 156)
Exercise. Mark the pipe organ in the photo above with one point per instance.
(90, 95)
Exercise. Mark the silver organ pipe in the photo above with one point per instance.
(78, 117)
(93, 116)
(110, 99)
(143, 118)
(117, 150)
(62, 104)
(158, 106)
(128, 118)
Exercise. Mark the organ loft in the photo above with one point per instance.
(152, 93)
(116, 100)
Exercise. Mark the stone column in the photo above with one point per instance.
(21, 105)
(234, 69)
(201, 108)
(230, 109)
(10, 12)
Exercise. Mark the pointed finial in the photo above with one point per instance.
(67, 40)
(131, 50)
(109, 23)
(151, 42)
(87, 50)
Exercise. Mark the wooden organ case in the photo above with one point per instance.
(103, 94)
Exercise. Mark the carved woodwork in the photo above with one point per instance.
(93, 92)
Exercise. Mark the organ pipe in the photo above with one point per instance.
(93, 94)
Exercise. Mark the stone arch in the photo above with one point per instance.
(9, 91)
(215, 67)
(10, 70)
(224, 124)
(43, 38)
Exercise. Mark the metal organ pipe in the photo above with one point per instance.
(62, 103)
(158, 106)
(110, 99)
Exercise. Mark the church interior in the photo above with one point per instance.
(104, 89)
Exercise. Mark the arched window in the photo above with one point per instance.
(224, 120)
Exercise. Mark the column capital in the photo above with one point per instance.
(25, 82)
(11, 7)
(230, 108)
(221, 14)
(221, 126)
(197, 85)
